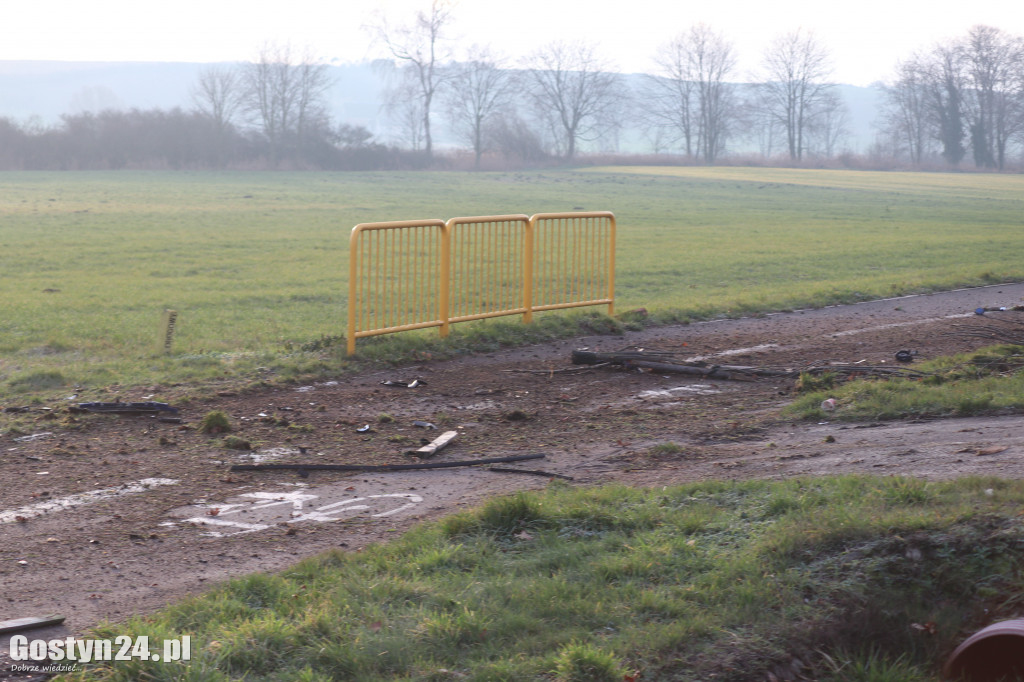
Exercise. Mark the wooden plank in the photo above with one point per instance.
(28, 623)
(432, 448)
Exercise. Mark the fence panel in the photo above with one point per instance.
(414, 274)
(487, 266)
(396, 274)
(574, 260)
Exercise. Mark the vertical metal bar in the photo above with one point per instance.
(593, 243)
(353, 291)
(611, 265)
(409, 298)
(493, 266)
(577, 247)
(443, 289)
(527, 265)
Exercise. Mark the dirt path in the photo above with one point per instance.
(103, 517)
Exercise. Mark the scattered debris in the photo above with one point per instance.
(997, 330)
(424, 425)
(34, 436)
(19, 409)
(364, 429)
(383, 467)
(404, 384)
(148, 407)
(656, 361)
(648, 360)
(982, 311)
(828, 404)
(432, 448)
(905, 355)
(28, 623)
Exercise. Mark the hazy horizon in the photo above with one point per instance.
(865, 43)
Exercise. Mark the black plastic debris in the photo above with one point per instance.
(905, 355)
(126, 408)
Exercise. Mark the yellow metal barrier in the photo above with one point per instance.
(427, 273)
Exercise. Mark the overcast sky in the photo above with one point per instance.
(866, 37)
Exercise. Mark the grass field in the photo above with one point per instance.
(713, 581)
(256, 263)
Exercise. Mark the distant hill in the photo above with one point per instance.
(49, 89)
(45, 90)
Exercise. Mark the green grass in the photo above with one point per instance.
(256, 263)
(987, 381)
(850, 578)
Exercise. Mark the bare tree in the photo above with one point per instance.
(480, 88)
(285, 94)
(576, 93)
(796, 68)
(515, 139)
(671, 95)
(407, 112)
(943, 73)
(994, 65)
(423, 47)
(218, 94)
(905, 114)
(830, 124)
(690, 95)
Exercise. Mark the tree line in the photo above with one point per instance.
(959, 102)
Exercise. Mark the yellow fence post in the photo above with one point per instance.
(528, 272)
(353, 290)
(611, 265)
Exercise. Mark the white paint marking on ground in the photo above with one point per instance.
(893, 325)
(34, 436)
(79, 499)
(848, 332)
(734, 351)
(696, 389)
(294, 511)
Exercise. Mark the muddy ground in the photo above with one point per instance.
(103, 517)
